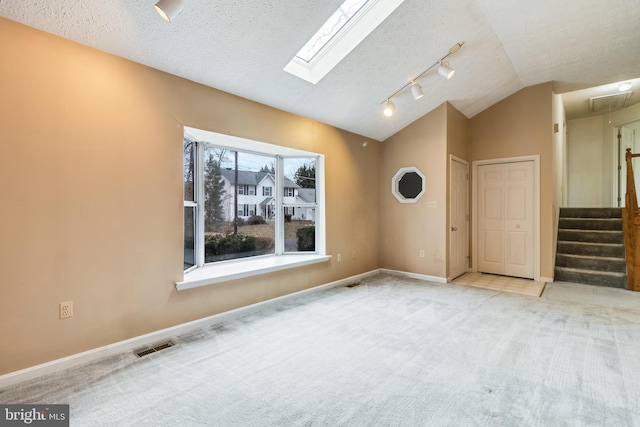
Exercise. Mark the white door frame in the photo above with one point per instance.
(536, 207)
(615, 157)
(452, 159)
(617, 154)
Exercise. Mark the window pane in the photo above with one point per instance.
(189, 169)
(300, 173)
(239, 222)
(300, 234)
(189, 237)
(299, 204)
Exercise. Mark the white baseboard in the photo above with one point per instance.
(146, 340)
(415, 275)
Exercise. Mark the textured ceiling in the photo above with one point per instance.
(241, 47)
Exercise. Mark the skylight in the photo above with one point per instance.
(339, 35)
(329, 29)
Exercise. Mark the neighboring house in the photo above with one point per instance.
(256, 191)
(308, 196)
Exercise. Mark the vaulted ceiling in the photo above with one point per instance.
(241, 47)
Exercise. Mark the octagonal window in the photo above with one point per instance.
(408, 185)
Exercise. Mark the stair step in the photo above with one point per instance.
(590, 223)
(590, 247)
(590, 236)
(587, 262)
(587, 248)
(591, 277)
(590, 212)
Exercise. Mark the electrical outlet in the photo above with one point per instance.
(339, 257)
(66, 309)
(421, 253)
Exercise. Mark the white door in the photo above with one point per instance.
(506, 219)
(627, 140)
(458, 219)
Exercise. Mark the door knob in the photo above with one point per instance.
(454, 228)
(517, 225)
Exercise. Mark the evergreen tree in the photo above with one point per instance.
(213, 194)
(188, 169)
(305, 176)
(267, 169)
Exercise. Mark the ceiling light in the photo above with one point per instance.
(623, 87)
(445, 70)
(416, 91)
(389, 108)
(169, 9)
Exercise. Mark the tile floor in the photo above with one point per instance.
(502, 283)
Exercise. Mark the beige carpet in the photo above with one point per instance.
(390, 352)
(502, 283)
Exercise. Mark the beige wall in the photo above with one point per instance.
(90, 180)
(408, 228)
(517, 126)
(585, 172)
(457, 133)
(591, 161)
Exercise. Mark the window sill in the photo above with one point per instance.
(239, 269)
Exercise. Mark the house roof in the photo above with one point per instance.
(242, 48)
(307, 195)
(253, 178)
(267, 201)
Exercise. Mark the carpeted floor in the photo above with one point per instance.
(389, 352)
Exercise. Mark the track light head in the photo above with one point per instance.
(389, 108)
(169, 9)
(416, 91)
(445, 70)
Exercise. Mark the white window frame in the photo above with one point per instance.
(395, 182)
(206, 274)
(367, 19)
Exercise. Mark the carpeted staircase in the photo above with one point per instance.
(591, 247)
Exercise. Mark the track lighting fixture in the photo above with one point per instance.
(169, 9)
(416, 90)
(445, 70)
(389, 108)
